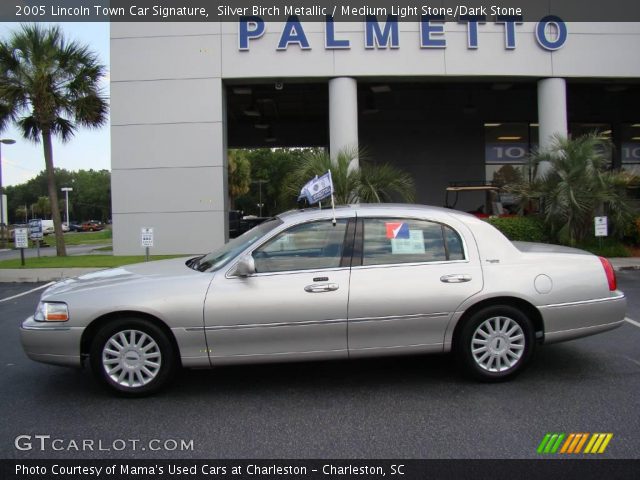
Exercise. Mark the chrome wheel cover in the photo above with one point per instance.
(131, 358)
(497, 344)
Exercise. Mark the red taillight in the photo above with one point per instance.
(610, 272)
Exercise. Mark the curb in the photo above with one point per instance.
(627, 267)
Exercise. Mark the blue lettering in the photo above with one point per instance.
(374, 37)
(428, 30)
(293, 33)
(249, 28)
(472, 22)
(330, 36)
(510, 22)
(561, 32)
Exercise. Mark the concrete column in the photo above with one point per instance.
(552, 113)
(343, 115)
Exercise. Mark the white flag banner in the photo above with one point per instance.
(317, 189)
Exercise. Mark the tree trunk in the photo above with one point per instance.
(61, 250)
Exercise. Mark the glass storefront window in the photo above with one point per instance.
(630, 147)
(507, 149)
(630, 154)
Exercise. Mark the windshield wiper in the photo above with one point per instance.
(194, 262)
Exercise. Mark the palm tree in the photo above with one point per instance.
(577, 186)
(239, 176)
(49, 86)
(368, 183)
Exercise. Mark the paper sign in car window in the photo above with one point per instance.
(397, 230)
(412, 245)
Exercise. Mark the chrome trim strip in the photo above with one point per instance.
(583, 302)
(391, 347)
(399, 317)
(316, 322)
(274, 354)
(267, 325)
(46, 329)
(410, 264)
(291, 272)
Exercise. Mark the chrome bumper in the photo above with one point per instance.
(567, 321)
(56, 344)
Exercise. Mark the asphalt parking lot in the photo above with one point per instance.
(410, 407)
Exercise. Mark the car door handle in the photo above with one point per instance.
(321, 287)
(456, 278)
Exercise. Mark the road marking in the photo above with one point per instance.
(35, 290)
(632, 322)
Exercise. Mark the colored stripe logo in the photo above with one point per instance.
(574, 443)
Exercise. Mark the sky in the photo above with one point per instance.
(88, 148)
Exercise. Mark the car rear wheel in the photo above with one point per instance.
(495, 343)
(133, 357)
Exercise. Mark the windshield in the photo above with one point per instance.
(220, 257)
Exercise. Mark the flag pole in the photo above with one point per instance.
(333, 204)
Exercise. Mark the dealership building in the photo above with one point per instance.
(446, 101)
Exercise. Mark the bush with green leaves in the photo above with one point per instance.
(525, 229)
(370, 183)
(576, 186)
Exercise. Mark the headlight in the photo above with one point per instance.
(51, 312)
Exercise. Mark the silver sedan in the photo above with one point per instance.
(377, 280)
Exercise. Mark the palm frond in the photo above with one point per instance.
(576, 185)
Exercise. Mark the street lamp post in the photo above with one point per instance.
(66, 191)
(6, 141)
(260, 204)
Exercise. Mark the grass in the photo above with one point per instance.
(83, 238)
(80, 261)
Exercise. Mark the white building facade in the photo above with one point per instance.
(445, 101)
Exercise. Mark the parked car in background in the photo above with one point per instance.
(75, 227)
(47, 227)
(239, 223)
(91, 226)
(305, 285)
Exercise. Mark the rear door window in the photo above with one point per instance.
(392, 241)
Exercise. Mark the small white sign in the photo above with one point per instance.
(408, 246)
(21, 237)
(147, 237)
(601, 226)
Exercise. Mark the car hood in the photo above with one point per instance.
(159, 270)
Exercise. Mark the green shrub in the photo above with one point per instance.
(632, 232)
(524, 229)
(605, 247)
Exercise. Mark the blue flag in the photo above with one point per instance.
(317, 189)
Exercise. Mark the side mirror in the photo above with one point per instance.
(245, 267)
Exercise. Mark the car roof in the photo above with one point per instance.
(369, 209)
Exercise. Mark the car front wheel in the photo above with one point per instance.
(133, 357)
(496, 343)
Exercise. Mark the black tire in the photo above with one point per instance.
(132, 359)
(505, 349)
